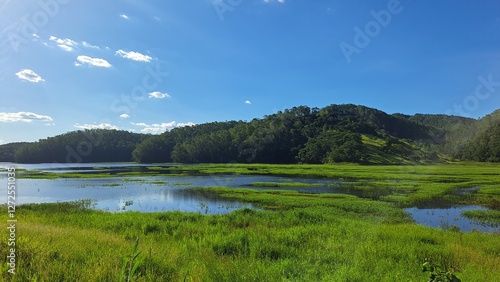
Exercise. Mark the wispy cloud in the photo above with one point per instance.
(158, 95)
(248, 102)
(96, 62)
(65, 44)
(158, 128)
(66, 48)
(96, 126)
(88, 45)
(124, 116)
(135, 56)
(29, 75)
(23, 117)
(123, 16)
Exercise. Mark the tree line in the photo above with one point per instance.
(95, 145)
(333, 134)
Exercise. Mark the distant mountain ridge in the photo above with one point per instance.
(333, 134)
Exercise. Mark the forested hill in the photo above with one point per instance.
(336, 133)
(96, 145)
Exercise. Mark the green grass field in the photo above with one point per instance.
(295, 237)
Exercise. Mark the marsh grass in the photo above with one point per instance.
(405, 185)
(131, 263)
(295, 237)
(327, 237)
(285, 184)
(486, 217)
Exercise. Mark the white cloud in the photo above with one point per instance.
(180, 124)
(158, 128)
(65, 41)
(65, 44)
(134, 56)
(30, 76)
(88, 45)
(123, 16)
(1, 142)
(66, 48)
(23, 116)
(95, 126)
(92, 61)
(158, 95)
(35, 35)
(124, 116)
(248, 102)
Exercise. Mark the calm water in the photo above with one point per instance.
(167, 193)
(448, 217)
(145, 194)
(121, 194)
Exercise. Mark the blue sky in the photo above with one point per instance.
(149, 66)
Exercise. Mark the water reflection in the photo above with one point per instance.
(449, 217)
(167, 193)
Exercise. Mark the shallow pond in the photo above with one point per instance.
(150, 193)
(167, 193)
(450, 217)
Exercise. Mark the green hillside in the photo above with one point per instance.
(333, 134)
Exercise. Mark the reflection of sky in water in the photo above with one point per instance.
(118, 194)
(175, 193)
(447, 217)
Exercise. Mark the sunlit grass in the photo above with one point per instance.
(488, 217)
(308, 238)
(295, 237)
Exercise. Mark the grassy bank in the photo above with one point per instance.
(302, 238)
(403, 185)
(490, 217)
(295, 237)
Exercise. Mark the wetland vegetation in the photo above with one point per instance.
(292, 236)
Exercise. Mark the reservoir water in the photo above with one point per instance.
(168, 193)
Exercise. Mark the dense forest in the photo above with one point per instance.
(333, 134)
(97, 145)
